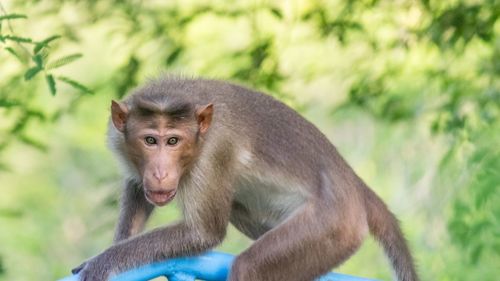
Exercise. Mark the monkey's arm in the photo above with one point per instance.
(206, 220)
(134, 212)
(171, 241)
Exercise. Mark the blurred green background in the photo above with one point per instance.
(409, 92)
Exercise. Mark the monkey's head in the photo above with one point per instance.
(161, 141)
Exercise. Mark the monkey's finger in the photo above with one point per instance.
(78, 268)
(93, 275)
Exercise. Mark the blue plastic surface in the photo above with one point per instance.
(211, 266)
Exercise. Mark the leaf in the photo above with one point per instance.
(44, 53)
(45, 43)
(51, 83)
(2, 267)
(14, 53)
(19, 126)
(476, 253)
(75, 84)
(30, 73)
(174, 55)
(8, 104)
(32, 142)
(38, 60)
(63, 61)
(35, 114)
(426, 4)
(12, 17)
(277, 13)
(15, 39)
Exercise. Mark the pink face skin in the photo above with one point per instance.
(164, 153)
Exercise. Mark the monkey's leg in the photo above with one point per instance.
(302, 248)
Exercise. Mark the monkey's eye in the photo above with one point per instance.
(172, 141)
(150, 140)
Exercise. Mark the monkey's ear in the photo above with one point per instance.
(119, 113)
(204, 117)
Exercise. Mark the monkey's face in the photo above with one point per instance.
(162, 155)
(161, 146)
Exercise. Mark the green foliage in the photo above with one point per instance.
(74, 84)
(475, 225)
(44, 43)
(2, 268)
(63, 61)
(36, 56)
(30, 73)
(12, 16)
(463, 22)
(14, 53)
(5, 38)
(33, 63)
(52, 84)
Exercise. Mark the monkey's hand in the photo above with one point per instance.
(98, 268)
(78, 268)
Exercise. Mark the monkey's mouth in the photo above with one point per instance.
(160, 198)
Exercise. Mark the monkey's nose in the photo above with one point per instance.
(160, 174)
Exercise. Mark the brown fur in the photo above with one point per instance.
(247, 159)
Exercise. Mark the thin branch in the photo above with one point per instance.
(4, 11)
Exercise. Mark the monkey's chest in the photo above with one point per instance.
(259, 206)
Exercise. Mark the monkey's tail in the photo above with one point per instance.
(385, 228)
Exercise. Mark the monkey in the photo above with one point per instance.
(231, 154)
